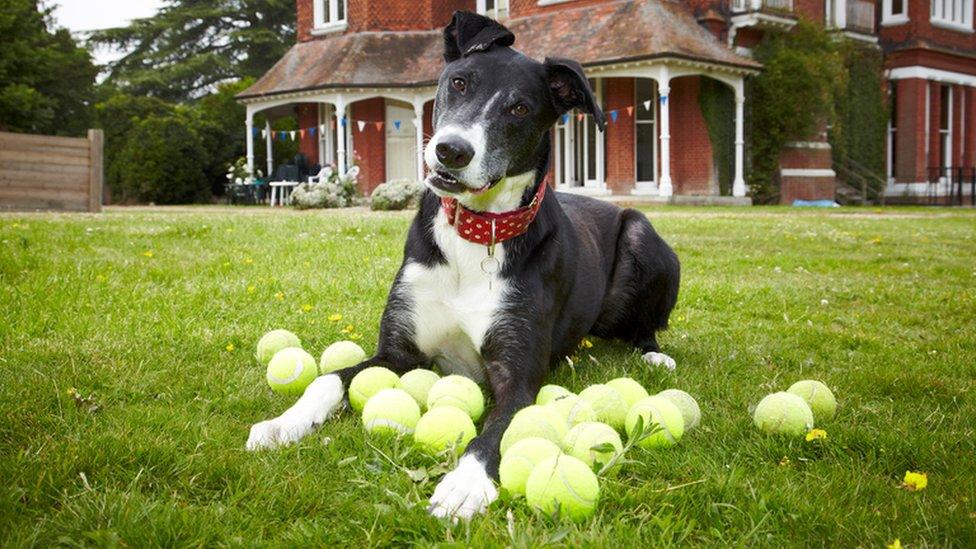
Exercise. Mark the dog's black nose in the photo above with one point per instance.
(454, 152)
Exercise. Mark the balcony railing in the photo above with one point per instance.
(860, 15)
(739, 6)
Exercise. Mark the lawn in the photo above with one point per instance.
(150, 318)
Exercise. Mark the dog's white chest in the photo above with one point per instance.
(454, 305)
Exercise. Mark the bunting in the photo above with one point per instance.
(361, 125)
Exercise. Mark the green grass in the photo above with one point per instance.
(880, 304)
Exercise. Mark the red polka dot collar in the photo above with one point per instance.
(489, 228)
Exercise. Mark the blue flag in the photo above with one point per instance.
(565, 118)
(396, 123)
(613, 115)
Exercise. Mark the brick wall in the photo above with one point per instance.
(308, 117)
(810, 9)
(969, 153)
(806, 188)
(935, 105)
(919, 32)
(519, 8)
(384, 15)
(618, 93)
(370, 144)
(910, 158)
(692, 164)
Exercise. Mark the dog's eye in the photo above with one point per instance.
(520, 110)
(459, 84)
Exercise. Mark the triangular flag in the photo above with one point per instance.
(322, 126)
(647, 105)
(292, 134)
(630, 110)
(254, 132)
(579, 117)
(281, 136)
(613, 115)
(379, 125)
(565, 118)
(311, 131)
(396, 124)
(664, 99)
(264, 134)
(301, 134)
(361, 124)
(343, 121)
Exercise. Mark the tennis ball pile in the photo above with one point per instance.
(554, 450)
(795, 411)
(290, 368)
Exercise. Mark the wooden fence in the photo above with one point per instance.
(51, 173)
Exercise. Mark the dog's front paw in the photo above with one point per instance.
(267, 434)
(660, 359)
(464, 492)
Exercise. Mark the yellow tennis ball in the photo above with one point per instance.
(609, 405)
(655, 412)
(442, 428)
(290, 371)
(563, 484)
(593, 443)
(391, 411)
(549, 393)
(369, 382)
(457, 391)
(818, 396)
(274, 341)
(517, 463)
(690, 411)
(418, 383)
(572, 409)
(629, 389)
(340, 355)
(534, 421)
(783, 413)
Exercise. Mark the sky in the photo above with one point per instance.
(86, 15)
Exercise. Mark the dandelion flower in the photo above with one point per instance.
(230, 347)
(816, 434)
(279, 296)
(915, 481)
(586, 344)
(248, 261)
(251, 289)
(147, 253)
(895, 544)
(335, 317)
(307, 308)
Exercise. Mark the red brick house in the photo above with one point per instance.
(362, 76)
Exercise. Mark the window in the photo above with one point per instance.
(953, 14)
(895, 12)
(330, 15)
(893, 131)
(579, 148)
(493, 8)
(646, 129)
(945, 126)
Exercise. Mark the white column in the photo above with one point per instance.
(664, 89)
(739, 183)
(269, 139)
(250, 144)
(340, 113)
(418, 111)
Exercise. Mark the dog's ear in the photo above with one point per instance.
(469, 32)
(570, 89)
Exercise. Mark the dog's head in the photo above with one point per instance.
(494, 106)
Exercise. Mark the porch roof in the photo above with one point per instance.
(593, 35)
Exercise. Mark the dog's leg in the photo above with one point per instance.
(321, 398)
(470, 487)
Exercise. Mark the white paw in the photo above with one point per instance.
(464, 492)
(263, 435)
(660, 359)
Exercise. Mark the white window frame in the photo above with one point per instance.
(551, 2)
(325, 23)
(946, 135)
(327, 148)
(952, 14)
(498, 11)
(655, 103)
(888, 18)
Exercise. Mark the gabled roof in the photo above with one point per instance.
(593, 35)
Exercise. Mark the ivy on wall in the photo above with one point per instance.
(717, 103)
(858, 136)
(796, 93)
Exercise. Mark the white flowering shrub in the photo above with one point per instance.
(331, 191)
(398, 194)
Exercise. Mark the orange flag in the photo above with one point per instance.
(301, 134)
(630, 110)
(379, 125)
(579, 117)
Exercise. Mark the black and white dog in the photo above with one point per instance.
(503, 310)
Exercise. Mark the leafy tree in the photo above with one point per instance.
(117, 116)
(793, 97)
(46, 79)
(164, 162)
(191, 46)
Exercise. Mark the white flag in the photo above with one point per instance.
(292, 134)
(264, 134)
(647, 105)
(361, 124)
